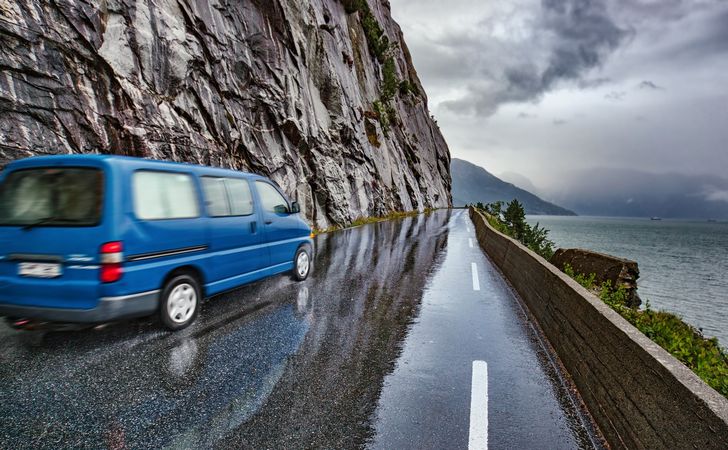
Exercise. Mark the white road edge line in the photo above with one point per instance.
(470, 242)
(479, 407)
(476, 282)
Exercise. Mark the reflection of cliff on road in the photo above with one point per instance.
(367, 287)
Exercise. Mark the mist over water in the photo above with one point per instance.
(683, 264)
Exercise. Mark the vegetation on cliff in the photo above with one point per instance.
(380, 46)
(703, 356)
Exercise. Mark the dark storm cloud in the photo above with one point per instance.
(586, 34)
(662, 63)
(580, 35)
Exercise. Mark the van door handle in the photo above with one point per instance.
(253, 227)
(268, 222)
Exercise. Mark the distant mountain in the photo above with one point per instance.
(519, 181)
(472, 184)
(632, 193)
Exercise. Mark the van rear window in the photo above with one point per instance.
(52, 197)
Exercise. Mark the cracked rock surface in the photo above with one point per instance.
(284, 88)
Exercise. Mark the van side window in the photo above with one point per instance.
(215, 196)
(241, 200)
(270, 197)
(227, 196)
(164, 195)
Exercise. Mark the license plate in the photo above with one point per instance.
(39, 270)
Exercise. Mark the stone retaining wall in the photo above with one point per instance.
(639, 395)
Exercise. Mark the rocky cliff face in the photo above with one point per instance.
(320, 95)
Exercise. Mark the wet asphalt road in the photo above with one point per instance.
(375, 349)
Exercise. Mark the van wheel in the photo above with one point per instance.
(301, 264)
(180, 302)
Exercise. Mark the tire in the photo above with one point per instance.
(302, 264)
(180, 302)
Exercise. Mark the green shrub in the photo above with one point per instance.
(512, 222)
(391, 114)
(390, 83)
(352, 6)
(407, 87)
(379, 45)
(377, 40)
(497, 224)
(584, 280)
(515, 219)
(703, 356)
(536, 238)
(380, 110)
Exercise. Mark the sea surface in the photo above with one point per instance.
(683, 264)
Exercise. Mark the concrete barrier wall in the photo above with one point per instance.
(639, 395)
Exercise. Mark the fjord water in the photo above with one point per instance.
(683, 264)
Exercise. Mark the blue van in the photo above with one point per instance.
(95, 238)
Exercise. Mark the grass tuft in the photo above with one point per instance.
(394, 215)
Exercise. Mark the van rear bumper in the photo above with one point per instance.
(109, 308)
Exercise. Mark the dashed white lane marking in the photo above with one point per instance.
(476, 282)
(470, 242)
(467, 227)
(479, 407)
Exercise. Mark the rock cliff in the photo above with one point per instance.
(605, 268)
(320, 95)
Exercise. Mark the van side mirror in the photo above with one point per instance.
(281, 209)
(295, 208)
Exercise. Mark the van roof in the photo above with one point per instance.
(37, 161)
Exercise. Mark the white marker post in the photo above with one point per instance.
(479, 407)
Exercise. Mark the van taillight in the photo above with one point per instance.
(112, 257)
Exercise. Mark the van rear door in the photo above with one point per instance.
(50, 232)
(165, 229)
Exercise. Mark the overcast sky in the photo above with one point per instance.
(542, 87)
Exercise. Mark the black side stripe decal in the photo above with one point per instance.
(179, 251)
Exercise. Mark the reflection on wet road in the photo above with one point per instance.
(342, 360)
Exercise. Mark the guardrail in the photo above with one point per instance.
(639, 394)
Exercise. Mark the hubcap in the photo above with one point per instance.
(182, 303)
(302, 264)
